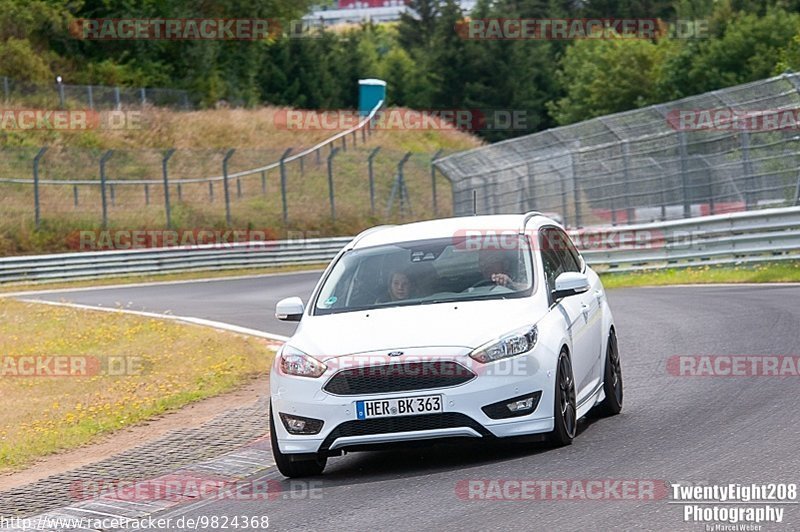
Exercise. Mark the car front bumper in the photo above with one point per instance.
(462, 415)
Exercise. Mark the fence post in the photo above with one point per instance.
(399, 188)
(117, 99)
(36, 160)
(106, 156)
(403, 189)
(144, 99)
(264, 182)
(6, 90)
(180, 193)
(344, 143)
(371, 156)
(302, 167)
(629, 211)
(211, 192)
(531, 187)
(113, 192)
(687, 202)
(485, 188)
(239, 187)
(75, 195)
(90, 95)
(797, 193)
(146, 194)
(576, 194)
(283, 185)
(61, 94)
(747, 167)
(563, 196)
(433, 180)
(225, 186)
(164, 173)
(330, 183)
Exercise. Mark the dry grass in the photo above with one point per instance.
(173, 365)
(201, 139)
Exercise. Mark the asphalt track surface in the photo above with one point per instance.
(688, 430)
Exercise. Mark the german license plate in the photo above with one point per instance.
(406, 406)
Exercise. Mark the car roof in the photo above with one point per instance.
(449, 227)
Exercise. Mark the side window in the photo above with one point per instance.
(551, 260)
(572, 250)
(566, 251)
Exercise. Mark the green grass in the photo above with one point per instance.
(782, 272)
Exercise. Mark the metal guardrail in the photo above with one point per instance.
(753, 236)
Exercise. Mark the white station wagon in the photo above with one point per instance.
(479, 327)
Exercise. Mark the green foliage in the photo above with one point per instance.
(607, 76)
(19, 61)
(426, 63)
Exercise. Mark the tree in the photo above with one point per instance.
(748, 50)
(600, 77)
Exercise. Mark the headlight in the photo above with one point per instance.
(514, 343)
(295, 362)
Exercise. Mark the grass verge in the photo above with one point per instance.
(781, 272)
(116, 370)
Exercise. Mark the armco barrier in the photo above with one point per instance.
(752, 236)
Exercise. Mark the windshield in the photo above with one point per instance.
(427, 271)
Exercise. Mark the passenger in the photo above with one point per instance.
(399, 288)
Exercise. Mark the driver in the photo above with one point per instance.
(494, 267)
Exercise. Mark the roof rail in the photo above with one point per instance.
(366, 232)
(528, 216)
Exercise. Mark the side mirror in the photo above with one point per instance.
(289, 309)
(570, 284)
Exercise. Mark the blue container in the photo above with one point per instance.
(370, 93)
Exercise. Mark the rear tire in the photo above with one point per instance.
(612, 381)
(564, 410)
(289, 468)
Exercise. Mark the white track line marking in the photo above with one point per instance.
(185, 319)
(154, 283)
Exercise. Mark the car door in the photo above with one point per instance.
(576, 310)
(591, 306)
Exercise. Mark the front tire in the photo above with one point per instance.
(612, 381)
(289, 468)
(564, 410)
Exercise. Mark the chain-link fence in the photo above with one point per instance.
(96, 97)
(729, 150)
(333, 189)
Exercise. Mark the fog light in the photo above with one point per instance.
(514, 406)
(301, 425)
(520, 406)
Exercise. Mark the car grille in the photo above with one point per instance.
(389, 425)
(402, 377)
